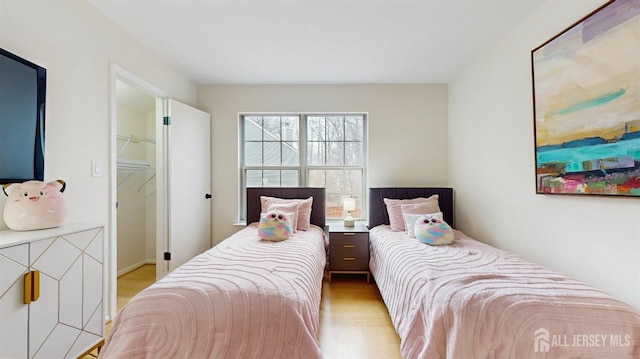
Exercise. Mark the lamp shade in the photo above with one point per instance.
(349, 204)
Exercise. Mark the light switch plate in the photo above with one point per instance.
(96, 168)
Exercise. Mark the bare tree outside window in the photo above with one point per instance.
(335, 157)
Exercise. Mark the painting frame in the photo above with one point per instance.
(586, 105)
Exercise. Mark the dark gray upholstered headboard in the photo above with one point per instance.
(378, 210)
(318, 211)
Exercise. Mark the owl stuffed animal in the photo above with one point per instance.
(432, 230)
(275, 225)
(34, 205)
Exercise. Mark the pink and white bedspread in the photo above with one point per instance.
(470, 300)
(244, 298)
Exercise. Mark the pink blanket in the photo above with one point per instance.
(470, 300)
(244, 298)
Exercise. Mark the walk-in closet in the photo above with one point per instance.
(136, 185)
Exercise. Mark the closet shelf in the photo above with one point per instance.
(133, 138)
(132, 164)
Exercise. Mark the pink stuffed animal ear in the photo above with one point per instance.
(35, 205)
(9, 187)
(59, 184)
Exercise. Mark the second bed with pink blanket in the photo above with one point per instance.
(470, 300)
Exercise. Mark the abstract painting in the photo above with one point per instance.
(586, 92)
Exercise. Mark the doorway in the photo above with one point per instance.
(160, 181)
(136, 172)
(135, 149)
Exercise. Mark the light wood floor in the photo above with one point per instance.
(354, 322)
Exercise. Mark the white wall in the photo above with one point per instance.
(491, 157)
(76, 45)
(407, 132)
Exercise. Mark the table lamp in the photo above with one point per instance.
(349, 205)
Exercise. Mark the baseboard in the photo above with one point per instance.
(133, 267)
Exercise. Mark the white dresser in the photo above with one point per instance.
(51, 292)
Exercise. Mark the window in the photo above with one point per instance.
(314, 150)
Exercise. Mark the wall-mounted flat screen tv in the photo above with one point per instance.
(22, 109)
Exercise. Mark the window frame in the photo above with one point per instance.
(303, 168)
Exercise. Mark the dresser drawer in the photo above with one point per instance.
(347, 263)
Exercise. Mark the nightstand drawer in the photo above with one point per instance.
(345, 263)
(349, 239)
(349, 248)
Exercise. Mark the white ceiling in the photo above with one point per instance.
(317, 41)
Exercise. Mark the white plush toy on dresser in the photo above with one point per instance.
(35, 205)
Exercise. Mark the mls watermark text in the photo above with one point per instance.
(544, 340)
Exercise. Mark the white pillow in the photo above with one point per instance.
(410, 221)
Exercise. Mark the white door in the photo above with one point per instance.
(187, 162)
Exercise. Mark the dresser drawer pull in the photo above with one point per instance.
(35, 291)
(349, 246)
(348, 234)
(31, 286)
(349, 258)
(27, 288)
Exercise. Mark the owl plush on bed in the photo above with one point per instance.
(275, 226)
(432, 230)
(34, 205)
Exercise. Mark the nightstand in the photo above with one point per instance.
(348, 250)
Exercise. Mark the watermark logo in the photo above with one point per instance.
(541, 341)
(544, 340)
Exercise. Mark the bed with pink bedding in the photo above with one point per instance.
(470, 300)
(244, 298)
